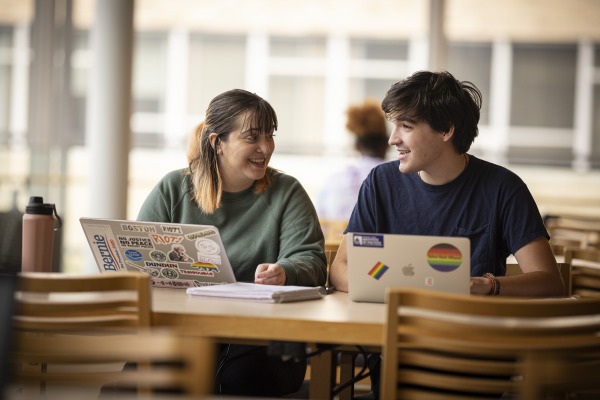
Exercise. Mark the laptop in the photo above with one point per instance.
(377, 261)
(176, 255)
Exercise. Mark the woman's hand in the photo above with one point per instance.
(269, 274)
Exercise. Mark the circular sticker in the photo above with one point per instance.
(133, 255)
(158, 255)
(169, 273)
(444, 257)
(207, 246)
(155, 272)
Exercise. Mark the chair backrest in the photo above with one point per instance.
(439, 345)
(573, 231)
(47, 302)
(330, 255)
(333, 230)
(563, 267)
(585, 271)
(159, 360)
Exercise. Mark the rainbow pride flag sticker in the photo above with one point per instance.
(444, 257)
(205, 266)
(378, 270)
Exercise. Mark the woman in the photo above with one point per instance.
(367, 123)
(266, 219)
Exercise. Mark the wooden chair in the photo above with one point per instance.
(585, 271)
(446, 346)
(164, 360)
(57, 302)
(68, 304)
(573, 231)
(333, 230)
(565, 273)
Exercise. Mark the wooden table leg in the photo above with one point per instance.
(322, 376)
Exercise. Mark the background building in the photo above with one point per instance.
(536, 62)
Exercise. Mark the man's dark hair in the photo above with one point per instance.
(440, 100)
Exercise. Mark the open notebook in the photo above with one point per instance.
(264, 293)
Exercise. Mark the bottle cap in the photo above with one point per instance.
(37, 206)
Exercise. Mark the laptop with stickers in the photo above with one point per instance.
(176, 255)
(377, 261)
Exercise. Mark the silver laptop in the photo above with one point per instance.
(377, 261)
(176, 255)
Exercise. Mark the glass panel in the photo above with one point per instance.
(361, 89)
(149, 73)
(543, 85)
(80, 66)
(216, 64)
(5, 80)
(298, 102)
(298, 47)
(378, 49)
(473, 62)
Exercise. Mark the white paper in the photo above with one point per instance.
(253, 291)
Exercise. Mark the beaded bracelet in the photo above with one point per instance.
(495, 290)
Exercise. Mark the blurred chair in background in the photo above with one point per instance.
(585, 271)
(573, 232)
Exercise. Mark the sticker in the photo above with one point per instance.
(180, 283)
(171, 229)
(378, 270)
(170, 273)
(202, 266)
(207, 247)
(361, 240)
(444, 257)
(138, 228)
(133, 255)
(135, 242)
(165, 239)
(201, 234)
(106, 251)
(158, 255)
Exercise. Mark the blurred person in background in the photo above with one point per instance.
(367, 123)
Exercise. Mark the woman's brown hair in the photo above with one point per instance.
(221, 118)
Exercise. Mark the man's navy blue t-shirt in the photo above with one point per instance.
(487, 203)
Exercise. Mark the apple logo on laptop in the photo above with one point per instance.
(408, 270)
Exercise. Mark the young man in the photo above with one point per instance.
(436, 188)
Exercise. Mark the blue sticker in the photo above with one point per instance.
(133, 255)
(362, 240)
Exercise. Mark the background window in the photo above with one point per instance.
(543, 85)
(214, 56)
(5, 78)
(473, 62)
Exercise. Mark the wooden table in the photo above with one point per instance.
(334, 319)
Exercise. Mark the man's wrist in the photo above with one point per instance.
(494, 283)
